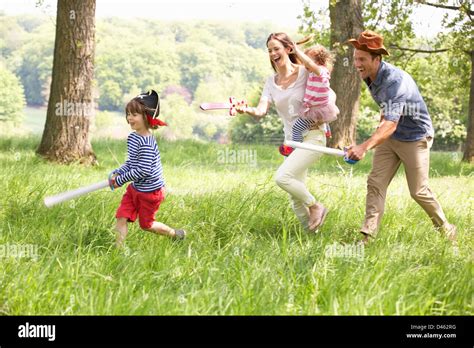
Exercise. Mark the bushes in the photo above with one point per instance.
(12, 99)
(269, 130)
(244, 129)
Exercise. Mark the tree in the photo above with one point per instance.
(461, 33)
(459, 48)
(66, 132)
(346, 22)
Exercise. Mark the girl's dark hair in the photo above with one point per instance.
(287, 43)
(135, 107)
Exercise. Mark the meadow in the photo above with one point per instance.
(245, 253)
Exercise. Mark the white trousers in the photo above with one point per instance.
(291, 175)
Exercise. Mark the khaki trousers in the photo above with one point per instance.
(388, 156)
(291, 175)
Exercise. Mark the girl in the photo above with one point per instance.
(286, 90)
(319, 103)
(143, 167)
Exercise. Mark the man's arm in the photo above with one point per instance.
(383, 132)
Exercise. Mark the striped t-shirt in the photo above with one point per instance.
(317, 88)
(143, 165)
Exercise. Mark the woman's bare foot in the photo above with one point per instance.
(317, 214)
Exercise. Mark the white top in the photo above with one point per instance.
(287, 101)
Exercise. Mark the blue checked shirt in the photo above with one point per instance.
(397, 94)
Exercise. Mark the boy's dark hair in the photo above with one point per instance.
(134, 106)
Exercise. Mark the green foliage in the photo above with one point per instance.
(244, 129)
(30, 56)
(315, 22)
(12, 99)
(446, 98)
(198, 61)
(367, 122)
(126, 61)
(104, 119)
(221, 87)
(460, 29)
(256, 35)
(392, 20)
(139, 55)
(179, 116)
(269, 130)
(11, 36)
(110, 95)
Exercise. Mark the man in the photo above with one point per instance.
(404, 135)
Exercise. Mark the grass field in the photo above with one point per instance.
(245, 252)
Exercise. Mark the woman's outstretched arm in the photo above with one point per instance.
(257, 112)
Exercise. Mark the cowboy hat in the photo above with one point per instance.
(369, 41)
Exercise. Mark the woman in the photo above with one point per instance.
(286, 89)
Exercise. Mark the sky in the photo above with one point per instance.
(426, 20)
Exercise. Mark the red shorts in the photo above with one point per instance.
(143, 204)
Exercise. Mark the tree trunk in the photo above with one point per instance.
(346, 23)
(469, 148)
(66, 132)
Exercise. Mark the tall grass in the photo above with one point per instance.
(245, 252)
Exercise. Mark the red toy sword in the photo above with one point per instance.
(231, 105)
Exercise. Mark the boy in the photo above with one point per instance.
(143, 167)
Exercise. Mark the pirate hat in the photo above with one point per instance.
(151, 100)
